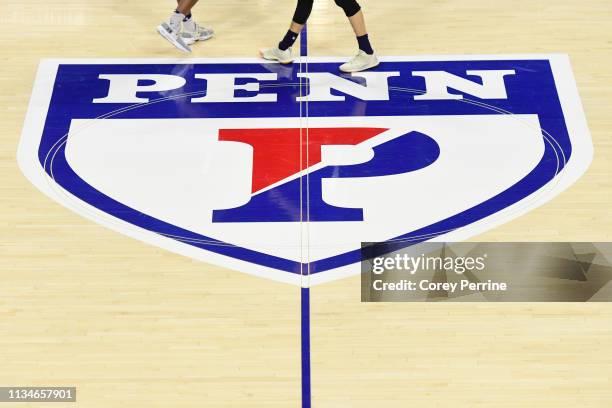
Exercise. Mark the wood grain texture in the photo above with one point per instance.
(135, 326)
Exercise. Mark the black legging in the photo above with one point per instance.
(304, 7)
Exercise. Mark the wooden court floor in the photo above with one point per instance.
(131, 325)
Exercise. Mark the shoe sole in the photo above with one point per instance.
(191, 42)
(172, 40)
(284, 62)
(369, 66)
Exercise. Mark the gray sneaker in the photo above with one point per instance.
(173, 35)
(360, 62)
(276, 54)
(193, 32)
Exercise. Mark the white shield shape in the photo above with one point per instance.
(425, 161)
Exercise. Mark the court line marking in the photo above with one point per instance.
(305, 280)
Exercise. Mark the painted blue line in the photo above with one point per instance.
(305, 292)
(306, 389)
(304, 41)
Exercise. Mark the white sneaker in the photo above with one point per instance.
(172, 32)
(276, 54)
(360, 62)
(193, 32)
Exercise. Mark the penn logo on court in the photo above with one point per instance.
(226, 161)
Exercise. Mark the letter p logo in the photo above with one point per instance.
(284, 154)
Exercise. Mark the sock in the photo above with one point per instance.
(288, 40)
(175, 19)
(364, 44)
(188, 23)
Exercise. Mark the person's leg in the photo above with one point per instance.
(353, 11)
(358, 23)
(365, 59)
(171, 30)
(291, 35)
(184, 6)
(282, 53)
(300, 16)
(192, 31)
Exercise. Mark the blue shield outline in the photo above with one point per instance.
(544, 86)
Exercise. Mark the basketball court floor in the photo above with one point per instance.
(131, 320)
